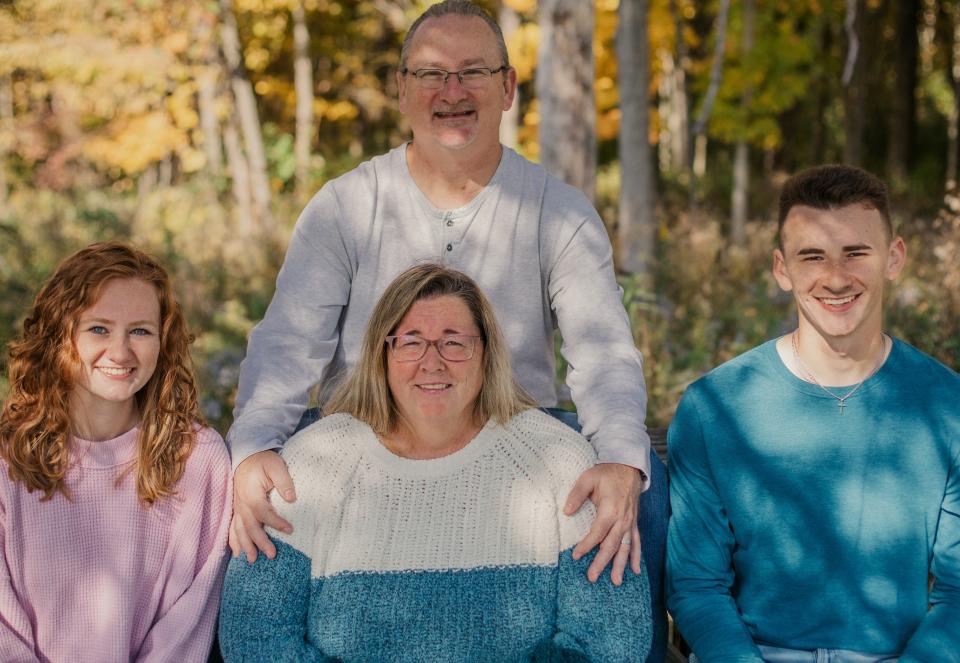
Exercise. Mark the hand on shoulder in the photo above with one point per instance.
(253, 479)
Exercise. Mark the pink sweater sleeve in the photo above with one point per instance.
(16, 632)
(183, 628)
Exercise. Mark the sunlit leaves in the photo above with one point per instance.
(136, 142)
(777, 73)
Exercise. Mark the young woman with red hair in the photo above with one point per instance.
(114, 497)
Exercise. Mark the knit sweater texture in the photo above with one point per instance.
(461, 558)
(795, 526)
(536, 247)
(100, 578)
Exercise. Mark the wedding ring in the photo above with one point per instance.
(626, 540)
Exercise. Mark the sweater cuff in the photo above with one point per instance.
(240, 451)
(632, 453)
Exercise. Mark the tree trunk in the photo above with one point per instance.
(209, 125)
(208, 68)
(698, 157)
(637, 229)
(146, 184)
(165, 173)
(740, 195)
(6, 135)
(699, 162)
(954, 119)
(902, 130)
(853, 75)
(678, 119)
(510, 122)
(303, 81)
(246, 107)
(239, 176)
(674, 124)
(395, 12)
(568, 143)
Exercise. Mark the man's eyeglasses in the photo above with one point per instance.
(473, 77)
(455, 347)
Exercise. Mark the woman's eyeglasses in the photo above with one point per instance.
(454, 347)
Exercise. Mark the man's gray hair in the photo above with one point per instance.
(455, 8)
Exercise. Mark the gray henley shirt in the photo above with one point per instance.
(536, 247)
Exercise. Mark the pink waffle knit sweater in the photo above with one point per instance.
(103, 579)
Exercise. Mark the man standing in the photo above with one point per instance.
(815, 480)
(452, 195)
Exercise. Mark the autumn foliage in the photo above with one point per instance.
(132, 119)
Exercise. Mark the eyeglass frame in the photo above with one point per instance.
(391, 340)
(446, 74)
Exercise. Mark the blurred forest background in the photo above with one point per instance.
(198, 129)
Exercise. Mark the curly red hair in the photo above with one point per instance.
(35, 422)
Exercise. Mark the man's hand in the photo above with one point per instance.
(252, 480)
(615, 490)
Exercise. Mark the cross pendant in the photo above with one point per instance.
(842, 405)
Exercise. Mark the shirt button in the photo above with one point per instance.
(449, 222)
(449, 247)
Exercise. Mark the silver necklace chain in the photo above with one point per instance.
(841, 400)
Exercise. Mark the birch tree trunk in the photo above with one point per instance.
(740, 195)
(678, 120)
(208, 67)
(303, 83)
(246, 107)
(209, 125)
(568, 144)
(637, 228)
(853, 98)
(146, 184)
(699, 131)
(674, 125)
(510, 122)
(239, 177)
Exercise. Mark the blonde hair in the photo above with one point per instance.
(365, 394)
(35, 421)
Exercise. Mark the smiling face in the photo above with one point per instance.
(836, 263)
(434, 391)
(455, 117)
(118, 342)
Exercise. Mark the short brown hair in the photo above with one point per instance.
(35, 422)
(455, 8)
(832, 187)
(365, 393)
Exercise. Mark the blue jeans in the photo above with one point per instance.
(653, 515)
(784, 655)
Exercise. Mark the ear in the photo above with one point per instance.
(780, 271)
(896, 257)
(402, 91)
(509, 88)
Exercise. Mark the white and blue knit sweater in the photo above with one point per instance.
(461, 558)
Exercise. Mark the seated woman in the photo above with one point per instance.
(429, 518)
(114, 499)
